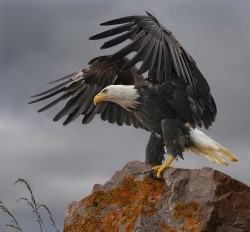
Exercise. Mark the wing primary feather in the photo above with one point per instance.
(119, 39)
(153, 65)
(159, 70)
(156, 32)
(148, 58)
(167, 60)
(89, 101)
(170, 45)
(102, 108)
(119, 21)
(138, 55)
(90, 109)
(135, 122)
(145, 42)
(78, 111)
(182, 74)
(164, 62)
(192, 81)
(120, 116)
(112, 32)
(89, 117)
(70, 89)
(112, 80)
(129, 48)
(63, 97)
(104, 115)
(127, 118)
(65, 77)
(71, 117)
(189, 79)
(112, 113)
(52, 89)
(71, 105)
(47, 96)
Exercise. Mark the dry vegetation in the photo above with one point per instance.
(36, 208)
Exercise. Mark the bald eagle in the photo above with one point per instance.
(170, 103)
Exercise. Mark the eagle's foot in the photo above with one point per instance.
(160, 168)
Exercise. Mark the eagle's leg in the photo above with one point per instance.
(155, 150)
(160, 168)
(174, 136)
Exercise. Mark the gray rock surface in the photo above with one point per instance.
(187, 200)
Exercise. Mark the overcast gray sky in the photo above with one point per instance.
(44, 40)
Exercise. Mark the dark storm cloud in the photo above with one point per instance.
(43, 40)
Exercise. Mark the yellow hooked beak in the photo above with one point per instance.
(99, 98)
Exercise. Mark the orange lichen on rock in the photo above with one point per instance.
(191, 214)
(111, 221)
(168, 228)
(120, 207)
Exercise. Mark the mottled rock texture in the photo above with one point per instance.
(187, 200)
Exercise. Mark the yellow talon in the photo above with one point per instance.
(159, 169)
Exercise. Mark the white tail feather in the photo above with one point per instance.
(209, 148)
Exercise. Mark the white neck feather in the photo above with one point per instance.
(124, 95)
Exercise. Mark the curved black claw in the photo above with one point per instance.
(153, 175)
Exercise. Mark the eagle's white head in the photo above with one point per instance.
(126, 96)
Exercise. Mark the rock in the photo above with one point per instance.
(187, 200)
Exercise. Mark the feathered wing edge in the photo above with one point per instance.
(79, 89)
(154, 45)
(215, 152)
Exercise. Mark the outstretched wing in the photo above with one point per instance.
(161, 54)
(79, 88)
(153, 44)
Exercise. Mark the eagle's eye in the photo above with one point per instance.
(105, 91)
